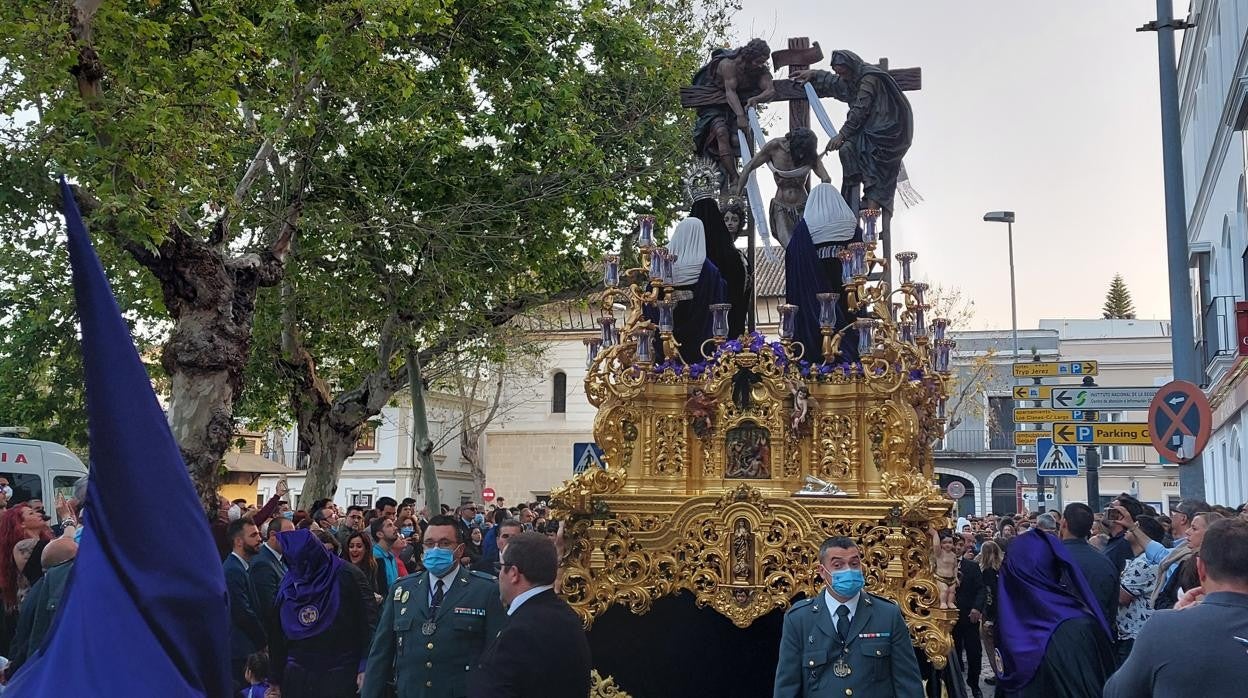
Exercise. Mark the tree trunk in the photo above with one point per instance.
(470, 450)
(421, 443)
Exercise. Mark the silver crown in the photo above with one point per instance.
(701, 180)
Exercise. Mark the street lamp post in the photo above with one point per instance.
(1007, 217)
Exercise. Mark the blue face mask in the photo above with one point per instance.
(438, 561)
(407, 531)
(290, 515)
(478, 519)
(847, 582)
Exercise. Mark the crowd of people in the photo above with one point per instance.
(327, 602)
(1061, 602)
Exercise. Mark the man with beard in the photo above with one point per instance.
(878, 128)
(734, 71)
(792, 159)
(246, 631)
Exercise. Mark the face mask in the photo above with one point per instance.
(407, 531)
(235, 513)
(847, 582)
(289, 515)
(478, 519)
(438, 561)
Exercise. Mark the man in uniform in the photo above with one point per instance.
(845, 642)
(435, 624)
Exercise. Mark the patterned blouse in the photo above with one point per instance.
(1137, 578)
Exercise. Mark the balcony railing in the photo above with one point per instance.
(1218, 337)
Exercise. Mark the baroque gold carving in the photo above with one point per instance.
(600, 687)
(836, 446)
(670, 445)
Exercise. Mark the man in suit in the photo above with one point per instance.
(542, 650)
(435, 624)
(267, 569)
(1102, 576)
(970, 599)
(246, 630)
(845, 642)
(1198, 650)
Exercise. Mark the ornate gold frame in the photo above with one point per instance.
(663, 518)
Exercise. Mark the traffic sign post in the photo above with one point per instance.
(586, 454)
(488, 494)
(1029, 438)
(1094, 398)
(1102, 434)
(1033, 415)
(1055, 460)
(1032, 392)
(1181, 421)
(1024, 460)
(1048, 369)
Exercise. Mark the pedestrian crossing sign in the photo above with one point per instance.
(585, 455)
(1056, 460)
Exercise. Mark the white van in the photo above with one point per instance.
(39, 470)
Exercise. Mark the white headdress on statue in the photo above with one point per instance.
(689, 245)
(828, 216)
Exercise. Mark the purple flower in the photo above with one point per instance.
(825, 369)
(804, 371)
(916, 374)
(732, 345)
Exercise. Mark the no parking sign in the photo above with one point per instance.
(1180, 421)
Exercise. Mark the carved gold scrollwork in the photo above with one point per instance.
(604, 687)
(670, 445)
(836, 446)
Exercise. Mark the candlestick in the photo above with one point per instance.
(788, 317)
(645, 238)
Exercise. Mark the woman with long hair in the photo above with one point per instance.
(358, 550)
(18, 523)
(324, 622)
(990, 559)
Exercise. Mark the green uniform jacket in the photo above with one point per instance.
(436, 665)
(879, 654)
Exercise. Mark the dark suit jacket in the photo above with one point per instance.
(1192, 652)
(265, 574)
(971, 594)
(1101, 575)
(541, 651)
(246, 631)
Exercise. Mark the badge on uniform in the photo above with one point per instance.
(470, 612)
(308, 615)
(841, 668)
(429, 628)
(406, 594)
(397, 593)
(868, 636)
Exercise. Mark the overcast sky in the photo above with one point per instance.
(1049, 109)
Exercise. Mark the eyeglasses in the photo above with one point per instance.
(443, 544)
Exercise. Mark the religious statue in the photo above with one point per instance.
(733, 71)
(736, 214)
(945, 562)
(697, 284)
(702, 187)
(741, 547)
(749, 452)
(877, 130)
(700, 408)
(803, 408)
(791, 159)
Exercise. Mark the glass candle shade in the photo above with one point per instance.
(611, 271)
(866, 335)
(938, 327)
(944, 351)
(592, 345)
(615, 335)
(788, 317)
(895, 313)
(920, 320)
(719, 319)
(608, 333)
(906, 259)
(827, 309)
(919, 289)
(665, 315)
(847, 266)
(858, 250)
(645, 236)
(669, 259)
(870, 229)
(907, 332)
(656, 265)
(645, 344)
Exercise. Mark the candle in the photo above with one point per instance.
(847, 266)
(859, 252)
(827, 309)
(668, 260)
(645, 348)
(719, 319)
(611, 271)
(665, 315)
(866, 335)
(938, 327)
(656, 265)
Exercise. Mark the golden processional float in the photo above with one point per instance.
(728, 497)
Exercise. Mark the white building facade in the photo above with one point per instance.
(1213, 93)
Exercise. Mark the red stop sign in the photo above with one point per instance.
(488, 494)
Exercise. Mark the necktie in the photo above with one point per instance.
(437, 597)
(842, 622)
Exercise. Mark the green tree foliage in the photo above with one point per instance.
(444, 163)
(1118, 304)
